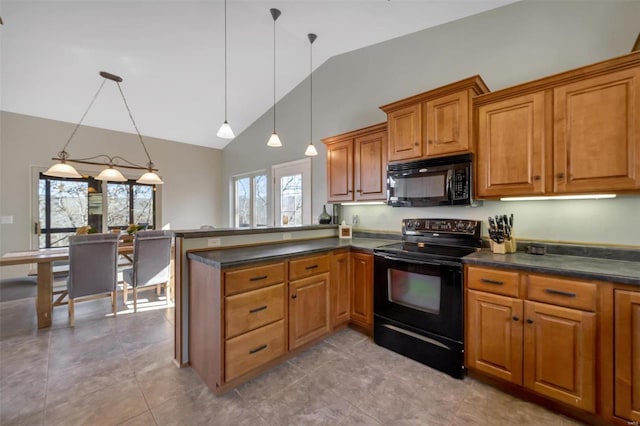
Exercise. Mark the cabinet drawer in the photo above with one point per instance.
(253, 309)
(562, 292)
(305, 267)
(253, 278)
(252, 349)
(494, 281)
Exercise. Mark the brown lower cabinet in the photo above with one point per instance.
(536, 339)
(362, 291)
(244, 320)
(627, 355)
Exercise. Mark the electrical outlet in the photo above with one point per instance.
(286, 236)
(213, 242)
(355, 219)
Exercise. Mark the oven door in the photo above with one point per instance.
(424, 294)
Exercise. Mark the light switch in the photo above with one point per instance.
(6, 220)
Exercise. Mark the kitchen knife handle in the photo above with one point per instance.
(494, 282)
(559, 292)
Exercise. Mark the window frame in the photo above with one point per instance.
(233, 222)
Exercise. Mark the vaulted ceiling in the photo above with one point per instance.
(171, 56)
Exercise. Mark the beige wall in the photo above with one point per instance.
(506, 46)
(189, 197)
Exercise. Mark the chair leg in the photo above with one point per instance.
(114, 303)
(125, 290)
(135, 299)
(71, 313)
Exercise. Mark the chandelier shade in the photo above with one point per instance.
(110, 173)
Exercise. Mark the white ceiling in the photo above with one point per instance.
(170, 54)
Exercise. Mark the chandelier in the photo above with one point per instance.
(110, 173)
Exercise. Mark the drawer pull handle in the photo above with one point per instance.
(488, 281)
(254, 310)
(294, 296)
(258, 278)
(559, 292)
(529, 321)
(311, 267)
(258, 349)
(516, 318)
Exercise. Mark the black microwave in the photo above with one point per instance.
(444, 181)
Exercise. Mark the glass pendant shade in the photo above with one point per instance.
(311, 150)
(150, 178)
(225, 131)
(112, 175)
(63, 170)
(274, 141)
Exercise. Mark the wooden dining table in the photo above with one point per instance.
(44, 259)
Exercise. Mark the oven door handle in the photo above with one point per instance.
(414, 262)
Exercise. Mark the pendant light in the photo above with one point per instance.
(274, 140)
(65, 170)
(225, 131)
(311, 150)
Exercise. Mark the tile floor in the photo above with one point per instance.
(119, 371)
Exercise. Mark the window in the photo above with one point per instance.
(292, 189)
(67, 204)
(250, 200)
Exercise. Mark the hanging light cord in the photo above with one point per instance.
(225, 61)
(274, 74)
(150, 164)
(63, 154)
(311, 91)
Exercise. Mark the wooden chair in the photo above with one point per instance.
(151, 264)
(93, 263)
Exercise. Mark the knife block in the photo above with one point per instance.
(508, 246)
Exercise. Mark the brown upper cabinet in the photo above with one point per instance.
(571, 133)
(433, 123)
(357, 164)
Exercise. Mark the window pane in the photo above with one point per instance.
(68, 204)
(260, 201)
(243, 202)
(42, 207)
(143, 205)
(58, 239)
(291, 199)
(117, 205)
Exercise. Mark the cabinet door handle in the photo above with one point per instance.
(515, 318)
(311, 267)
(494, 282)
(529, 321)
(258, 349)
(258, 278)
(559, 292)
(294, 296)
(536, 177)
(357, 190)
(430, 142)
(416, 144)
(254, 310)
(560, 175)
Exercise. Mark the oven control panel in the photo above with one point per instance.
(442, 226)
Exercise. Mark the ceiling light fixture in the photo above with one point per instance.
(311, 150)
(225, 131)
(274, 140)
(65, 170)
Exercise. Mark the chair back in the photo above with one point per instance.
(151, 257)
(93, 263)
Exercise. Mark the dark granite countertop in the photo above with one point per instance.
(222, 258)
(619, 271)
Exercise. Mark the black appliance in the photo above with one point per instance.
(445, 181)
(418, 291)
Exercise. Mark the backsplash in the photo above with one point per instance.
(608, 222)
